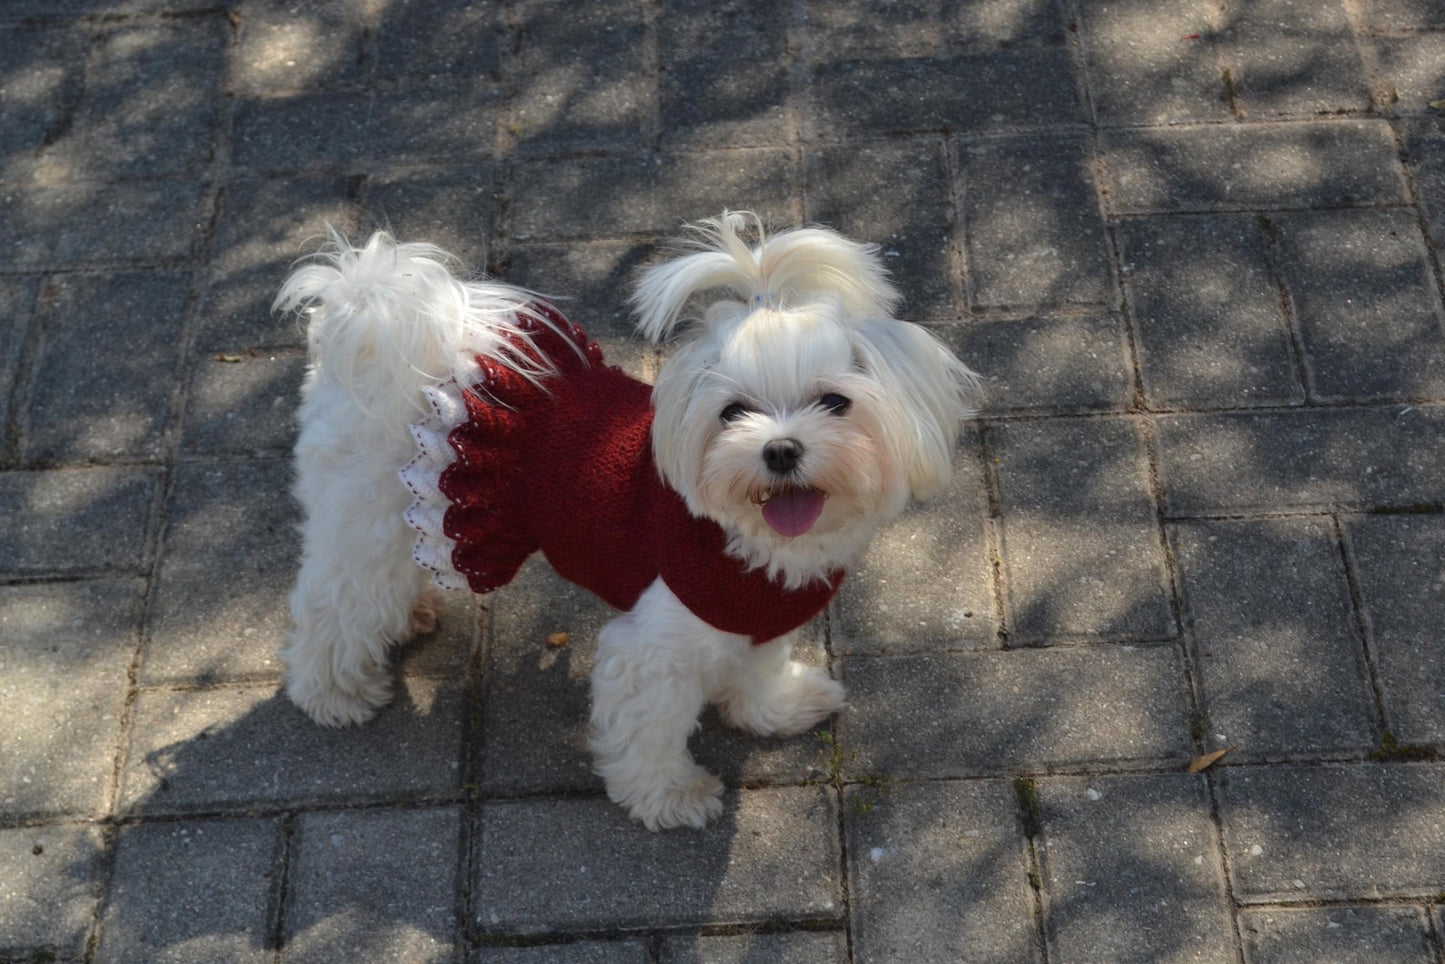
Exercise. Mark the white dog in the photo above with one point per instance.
(718, 509)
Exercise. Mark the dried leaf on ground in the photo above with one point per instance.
(1206, 760)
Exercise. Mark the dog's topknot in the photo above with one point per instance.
(735, 253)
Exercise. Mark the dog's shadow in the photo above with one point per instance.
(466, 811)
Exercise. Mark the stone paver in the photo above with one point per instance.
(1082, 551)
(578, 864)
(734, 94)
(94, 405)
(1141, 67)
(373, 884)
(1033, 231)
(242, 404)
(238, 747)
(295, 48)
(1375, 457)
(804, 948)
(1366, 302)
(47, 68)
(972, 92)
(1131, 870)
(1193, 250)
(17, 304)
(1207, 312)
(62, 691)
(1335, 832)
(943, 544)
(1279, 666)
(190, 890)
(1411, 65)
(1048, 364)
(457, 211)
(230, 552)
(127, 222)
(1346, 934)
(48, 878)
(957, 850)
(330, 130)
(149, 106)
(1203, 168)
(580, 952)
(1281, 64)
(989, 712)
(1401, 562)
(75, 520)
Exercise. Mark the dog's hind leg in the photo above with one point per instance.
(358, 591)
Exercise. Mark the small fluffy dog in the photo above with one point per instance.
(717, 509)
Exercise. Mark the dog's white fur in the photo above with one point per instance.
(811, 317)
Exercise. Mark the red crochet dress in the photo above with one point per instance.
(566, 467)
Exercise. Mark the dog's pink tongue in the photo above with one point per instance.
(793, 513)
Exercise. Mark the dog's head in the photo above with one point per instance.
(799, 414)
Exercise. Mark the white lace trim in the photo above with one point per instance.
(433, 548)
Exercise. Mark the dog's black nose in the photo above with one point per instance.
(782, 455)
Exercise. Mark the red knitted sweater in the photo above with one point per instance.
(567, 468)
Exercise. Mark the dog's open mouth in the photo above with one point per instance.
(792, 512)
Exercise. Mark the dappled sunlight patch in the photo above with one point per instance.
(370, 928)
(33, 86)
(1020, 228)
(284, 54)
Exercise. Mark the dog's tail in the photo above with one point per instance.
(786, 269)
(387, 319)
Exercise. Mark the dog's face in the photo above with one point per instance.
(791, 429)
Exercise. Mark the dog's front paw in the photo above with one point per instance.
(789, 703)
(687, 800)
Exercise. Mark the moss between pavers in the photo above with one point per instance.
(1393, 751)
(1027, 792)
(871, 787)
(1414, 508)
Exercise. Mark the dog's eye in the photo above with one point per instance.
(733, 412)
(835, 404)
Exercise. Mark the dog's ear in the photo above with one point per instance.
(679, 435)
(931, 392)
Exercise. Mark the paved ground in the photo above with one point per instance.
(1193, 246)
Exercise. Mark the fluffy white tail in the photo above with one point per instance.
(387, 319)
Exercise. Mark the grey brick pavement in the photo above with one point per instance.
(1194, 249)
